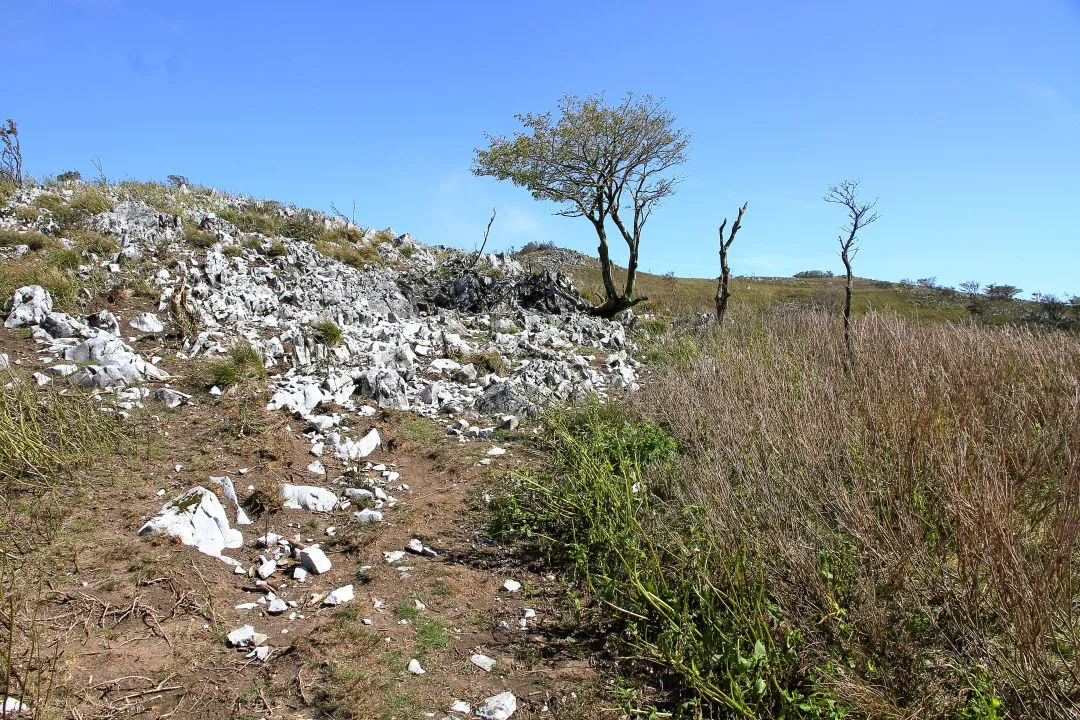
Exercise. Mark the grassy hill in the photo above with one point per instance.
(674, 297)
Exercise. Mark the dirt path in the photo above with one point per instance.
(142, 621)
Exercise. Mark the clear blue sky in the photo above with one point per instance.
(962, 116)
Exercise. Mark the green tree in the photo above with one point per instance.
(598, 161)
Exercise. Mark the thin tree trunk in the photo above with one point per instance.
(722, 285)
(847, 301)
(722, 293)
(631, 271)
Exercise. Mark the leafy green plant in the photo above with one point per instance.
(243, 363)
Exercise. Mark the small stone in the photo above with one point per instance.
(245, 636)
(392, 556)
(299, 574)
(342, 595)
(416, 669)
(511, 586)
(317, 467)
(266, 569)
(147, 322)
(483, 662)
(314, 559)
(247, 606)
(415, 545)
(498, 707)
(276, 606)
(460, 706)
(215, 391)
(368, 516)
(495, 451)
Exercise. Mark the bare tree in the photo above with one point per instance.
(600, 162)
(860, 214)
(101, 179)
(722, 293)
(480, 250)
(11, 160)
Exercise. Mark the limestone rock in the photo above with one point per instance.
(196, 518)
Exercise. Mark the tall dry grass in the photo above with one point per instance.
(916, 520)
(783, 534)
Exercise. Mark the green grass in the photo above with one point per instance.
(244, 363)
(431, 634)
(406, 610)
(198, 238)
(327, 332)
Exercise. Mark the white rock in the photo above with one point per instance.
(266, 569)
(29, 306)
(416, 669)
(368, 516)
(392, 556)
(496, 451)
(11, 705)
(483, 662)
(318, 468)
(460, 706)
(147, 322)
(307, 497)
(341, 595)
(196, 518)
(260, 653)
(498, 707)
(314, 559)
(277, 606)
(511, 586)
(299, 574)
(245, 636)
(415, 545)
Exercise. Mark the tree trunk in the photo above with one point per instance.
(610, 290)
(631, 271)
(847, 300)
(722, 293)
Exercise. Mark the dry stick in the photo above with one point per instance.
(723, 281)
(479, 252)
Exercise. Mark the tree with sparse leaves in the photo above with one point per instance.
(11, 160)
(860, 214)
(598, 161)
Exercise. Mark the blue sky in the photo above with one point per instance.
(963, 117)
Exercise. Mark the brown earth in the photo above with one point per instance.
(139, 623)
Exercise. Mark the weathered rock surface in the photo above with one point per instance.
(196, 518)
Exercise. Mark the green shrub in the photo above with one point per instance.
(254, 219)
(485, 361)
(277, 249)
(243, 363)
(198, 238)
(303, 225)
(60, 284)
(7, 189)
(36, 241)
(327, 332)
(93, 243)
(69, 176)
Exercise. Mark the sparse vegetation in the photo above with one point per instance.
(327, 332)
(243, 363)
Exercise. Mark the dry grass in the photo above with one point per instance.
(900, 540)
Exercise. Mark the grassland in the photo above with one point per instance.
(679, 297)
(778, 534)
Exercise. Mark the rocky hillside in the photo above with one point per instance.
(408, 326)
(169, 309)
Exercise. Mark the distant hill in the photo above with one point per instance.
(673, 296)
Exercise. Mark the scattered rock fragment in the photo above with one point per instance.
(498, 707)
(483, 662)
